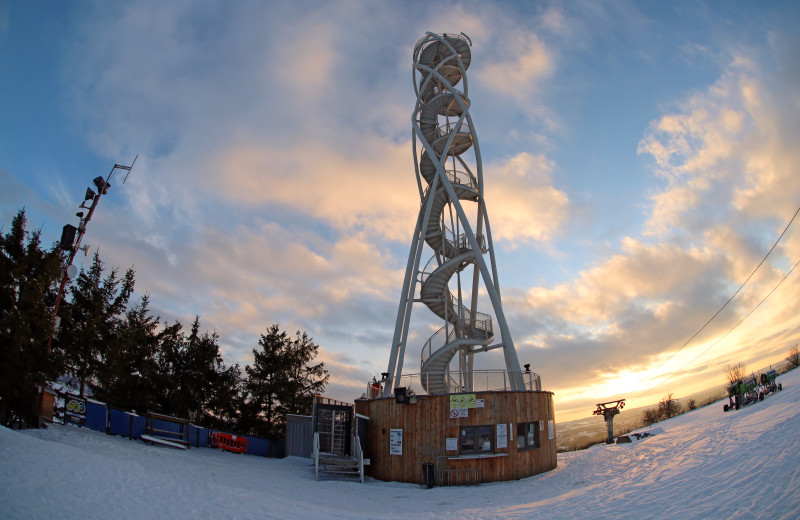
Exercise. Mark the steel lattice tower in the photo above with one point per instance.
(449, 174)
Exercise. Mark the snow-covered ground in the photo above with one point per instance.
(708, 465)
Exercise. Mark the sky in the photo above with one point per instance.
(639, 162)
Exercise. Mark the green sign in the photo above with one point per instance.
(458, 401)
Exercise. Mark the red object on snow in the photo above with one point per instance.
(228, 442)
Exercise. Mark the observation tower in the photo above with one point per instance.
(470, 425)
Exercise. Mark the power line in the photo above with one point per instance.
(739, 323)
(726, 304)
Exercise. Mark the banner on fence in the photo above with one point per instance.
(75, 409)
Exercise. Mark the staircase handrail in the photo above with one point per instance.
(449, 36)
(458, 178)
(316, 455)
(481, 328)
(355, 449)
(459, 126)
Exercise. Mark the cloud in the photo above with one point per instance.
(275, 181)
(518, 71)
(372, 189)
(730, 182)
(523, 203)
(725, 147)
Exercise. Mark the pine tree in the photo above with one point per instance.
(168, 358)
(28, 283)
(194, 381)
(92, 317)
(126, 376)
(281, 381)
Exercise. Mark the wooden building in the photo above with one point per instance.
(468, 438)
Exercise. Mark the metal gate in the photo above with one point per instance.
(333, 420)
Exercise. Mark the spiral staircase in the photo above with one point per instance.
(449, 175)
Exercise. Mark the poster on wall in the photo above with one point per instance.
(551, 430)
(396, 441)
(502, 435)
(451, 444)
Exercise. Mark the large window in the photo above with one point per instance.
(528, 435)
(476, 439)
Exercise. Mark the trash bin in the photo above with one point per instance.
(428, 476)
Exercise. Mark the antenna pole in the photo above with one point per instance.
(102, 188)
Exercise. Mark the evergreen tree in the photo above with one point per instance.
(196, 383)
(92, 317)
(281, 381)
(127, 374)
(28, 283)
(168, 359)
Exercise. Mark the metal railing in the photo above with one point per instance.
(460, 126)
(482, 381)
(480, 330)
(449, 36)
(457, 177)
(458, 476)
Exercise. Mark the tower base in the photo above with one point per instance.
(468, 438)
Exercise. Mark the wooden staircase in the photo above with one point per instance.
(340, 467)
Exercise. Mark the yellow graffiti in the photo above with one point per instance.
(76, 407)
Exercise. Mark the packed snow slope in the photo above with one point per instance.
(707, 464)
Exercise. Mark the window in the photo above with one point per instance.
(528, 435)
(476, 439)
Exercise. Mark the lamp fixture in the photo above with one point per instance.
(102, 185)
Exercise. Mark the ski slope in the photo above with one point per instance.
(707, 465)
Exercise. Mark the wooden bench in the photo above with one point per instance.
(181, 437)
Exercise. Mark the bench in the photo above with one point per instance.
(180, 437)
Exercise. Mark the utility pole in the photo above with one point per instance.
(71, 236)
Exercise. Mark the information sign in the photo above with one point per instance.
(502, 435)
(396, 441)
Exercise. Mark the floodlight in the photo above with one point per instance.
(67, 237)
(89, 194)
(102, 185)
(400, 395)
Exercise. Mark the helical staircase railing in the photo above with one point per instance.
(442, 63)
(449, 180)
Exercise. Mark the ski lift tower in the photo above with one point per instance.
(608, 411)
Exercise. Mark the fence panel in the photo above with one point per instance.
(198, 436)
(96, 416)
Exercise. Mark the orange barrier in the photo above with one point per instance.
(228, 442)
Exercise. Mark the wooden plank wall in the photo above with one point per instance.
(426, 425)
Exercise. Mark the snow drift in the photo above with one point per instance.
(706, 464)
